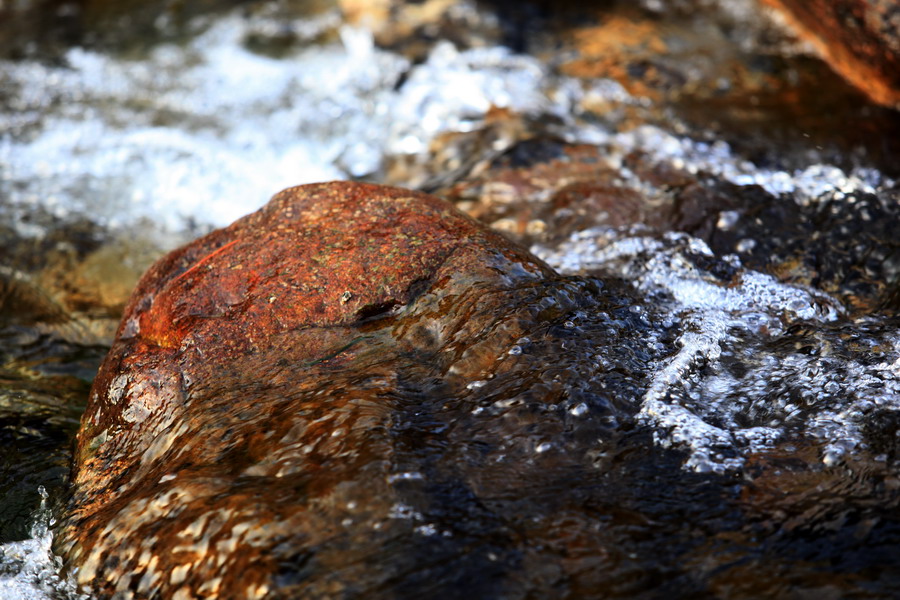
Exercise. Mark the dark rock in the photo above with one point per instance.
(841, 245)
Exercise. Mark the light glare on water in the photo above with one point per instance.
(29, 570)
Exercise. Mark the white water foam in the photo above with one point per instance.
(804, 186)
(208, 132)
(29, 570)
(694, 401)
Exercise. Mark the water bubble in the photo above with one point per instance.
(405, 476)
(579, 409)
(543, 447)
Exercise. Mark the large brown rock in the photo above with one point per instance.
(241, 437)
(359, 392)
(860, 39)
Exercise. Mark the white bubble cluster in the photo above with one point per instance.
(695, 401)
(29, 570)
(803, 186)
(207, 132)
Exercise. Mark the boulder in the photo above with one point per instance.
(295, 404)
(860, 39)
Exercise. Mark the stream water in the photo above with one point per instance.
(767, 342)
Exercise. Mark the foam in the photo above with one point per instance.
(695, 402)
(202, 134)
(804, 186)
(29, 570)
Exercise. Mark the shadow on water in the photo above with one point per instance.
(44, 382)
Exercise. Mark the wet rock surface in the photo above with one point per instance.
(840, 243)
(349, 393)
(289, 352)
(858, 38)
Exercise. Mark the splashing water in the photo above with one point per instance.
(728, 316)
(205, 133)
(29, 570)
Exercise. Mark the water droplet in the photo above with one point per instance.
(579, 409)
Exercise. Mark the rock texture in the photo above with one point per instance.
(241, 437)
(860, 39)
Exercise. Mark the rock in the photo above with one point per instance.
(293, 405)
(410, 27)
(358, 391)
(860, 39)
(841, 245)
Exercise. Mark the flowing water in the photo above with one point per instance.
(739, 413)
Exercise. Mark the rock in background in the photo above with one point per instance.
(859, 39)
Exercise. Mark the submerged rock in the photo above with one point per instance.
(321, 396)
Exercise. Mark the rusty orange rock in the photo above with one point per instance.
(860, 39)
(242, 414)
(315, 256)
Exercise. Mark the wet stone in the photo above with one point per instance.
(359, 391)
(343, 393)
(860, 39)
(838, 242)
